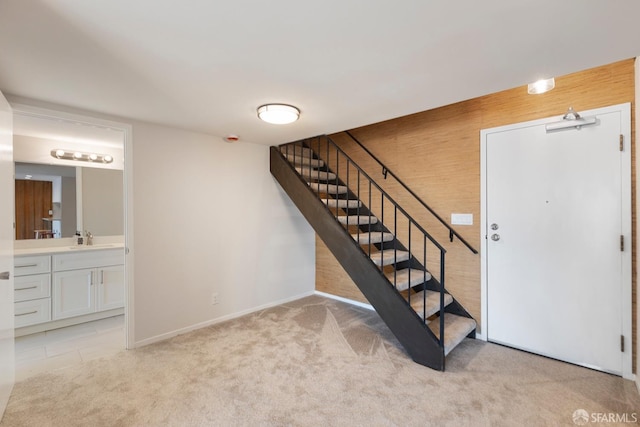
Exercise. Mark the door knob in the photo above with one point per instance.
(5, 275)
(494, 226)
(495, 237)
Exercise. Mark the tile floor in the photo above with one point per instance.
(60, 348)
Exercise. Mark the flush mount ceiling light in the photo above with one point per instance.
(541, 86)
(278, 114)
(83, 157)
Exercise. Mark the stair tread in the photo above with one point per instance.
(433, 303)
(342, 203)
(305, 161)
(357, 219)
(296, 150)
(329, 188)
(401, 278)
(309, 173)
(456, 328)
(373, 237)
(389, 256)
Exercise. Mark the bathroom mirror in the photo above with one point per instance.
(56, 201)
(57, 195)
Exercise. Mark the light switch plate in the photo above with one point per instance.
(461, 219)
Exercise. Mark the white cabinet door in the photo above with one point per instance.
(110, 287)
(73, 293)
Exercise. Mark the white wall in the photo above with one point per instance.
(210, 218)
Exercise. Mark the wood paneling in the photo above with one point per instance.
(437, 153)
(33, 202)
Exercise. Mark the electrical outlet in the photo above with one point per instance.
(214, 298)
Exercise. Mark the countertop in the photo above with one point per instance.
(66, 249)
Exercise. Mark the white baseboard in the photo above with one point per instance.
(347, 300)
(69, 321)
(231, 316)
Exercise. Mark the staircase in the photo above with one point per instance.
(365, 229)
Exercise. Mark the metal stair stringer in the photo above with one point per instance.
(403, 322)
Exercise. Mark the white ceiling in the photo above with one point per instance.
(66, 131)
(206, 65)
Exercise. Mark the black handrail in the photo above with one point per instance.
(386, 170)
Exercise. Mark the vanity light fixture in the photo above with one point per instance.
(278, 114)
(541, 86)
(84, 157)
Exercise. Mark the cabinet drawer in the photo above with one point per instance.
(32, 312)
(32, 287)
(79, 260)
(37, 264)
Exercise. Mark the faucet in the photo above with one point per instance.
(89, 237)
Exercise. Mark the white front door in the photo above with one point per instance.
(7, 363)
(558, 209)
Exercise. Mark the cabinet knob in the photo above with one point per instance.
(5, 275)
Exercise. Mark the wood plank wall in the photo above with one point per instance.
(437, 153)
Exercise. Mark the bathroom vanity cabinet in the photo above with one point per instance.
(68, 286)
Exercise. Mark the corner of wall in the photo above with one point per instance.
(637, 126)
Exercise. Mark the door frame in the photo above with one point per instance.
(626, 188)
(68, 114)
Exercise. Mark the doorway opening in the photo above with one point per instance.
(90, 206)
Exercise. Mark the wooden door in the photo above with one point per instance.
(34, 201)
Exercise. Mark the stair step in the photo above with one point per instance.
(308, 173)
(373, 237)
(342, 203)
(402, 279)
(433, 303)
(456, 328)
(357, 219)
(328, 188)
(297, 150)
(389, 256)
(305, 161)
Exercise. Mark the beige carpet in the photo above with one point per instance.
(313, 362)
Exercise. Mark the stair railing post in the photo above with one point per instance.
(358, 208)
(424, 287)
(328, 157)
(337, 180)
(369, 246)
(409, 272)
(442, 298)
